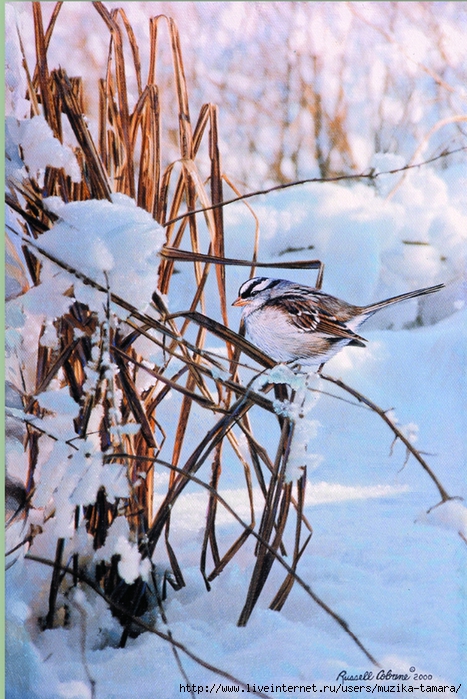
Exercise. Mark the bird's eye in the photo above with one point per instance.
(250, 288)
(249, 292)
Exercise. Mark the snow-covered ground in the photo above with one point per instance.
(393, 571)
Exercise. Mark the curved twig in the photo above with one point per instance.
(371, 175)
(399, 435)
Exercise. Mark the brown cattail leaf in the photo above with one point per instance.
(76, 83)
(276, 486)
(190, 256)
(36, 215)
(283, 592)
(286, 587)
(153, 32)
(42, 366)
(31, 91)
(56, 183)
(218, 213)
(246, 467)
(131, 394)
(186, 144)
(182, 425)
(102, 125)
(153, 401)
(48, 104)
(55, 583)
(166, 267)
(189, 172)
(134, 48)
(258, 453)
(48, 370)
(200, 128)
(147, 115)
(264, 562)
(177, 571)
(185, 132)
(139, 474)
(48, 36)
(125, 181)
(210, 529)
(163, 201)
(202, 122)
(235, 547)
(277, 503)
(97, 177)
(230, 554)
(192, 186)
(79, 191)
(198, 297)
(193, 463)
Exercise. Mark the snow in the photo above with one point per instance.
(15, 79)
(450, 515)
(307, 389)
(41, 148)
(385, 554)
(130, 558)
(91, 235)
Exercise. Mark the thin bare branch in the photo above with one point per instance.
(372, 175)
(399, 435)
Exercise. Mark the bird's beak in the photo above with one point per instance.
(239, 302)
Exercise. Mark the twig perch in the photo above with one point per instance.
(399, 435)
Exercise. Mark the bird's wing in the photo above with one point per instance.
(309, 317)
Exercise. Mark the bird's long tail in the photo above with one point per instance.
(373, 307)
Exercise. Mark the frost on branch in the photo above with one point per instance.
(306, 389)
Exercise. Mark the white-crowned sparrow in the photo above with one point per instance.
(296, 323)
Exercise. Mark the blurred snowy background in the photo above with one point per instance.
(304, 90)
